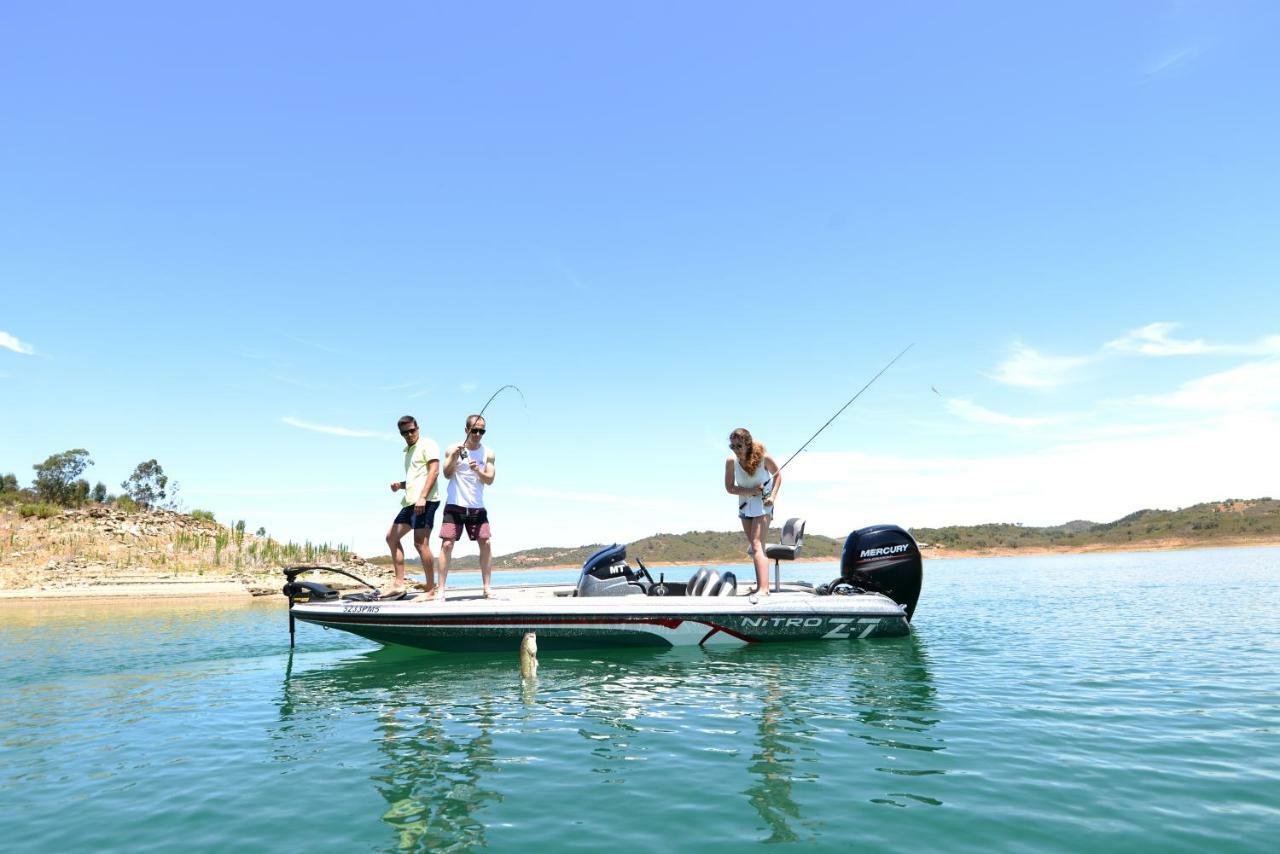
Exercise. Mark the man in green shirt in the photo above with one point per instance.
(418, 505)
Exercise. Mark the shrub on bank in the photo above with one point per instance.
(40, 509)
(206, 515)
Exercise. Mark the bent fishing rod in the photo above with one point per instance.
(500, 391)
(846, 406)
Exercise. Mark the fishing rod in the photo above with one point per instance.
(846, 406)
(500, 391)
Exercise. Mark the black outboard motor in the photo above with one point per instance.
(883, 559)
(606, 573)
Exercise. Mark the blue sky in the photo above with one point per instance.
(244, 239)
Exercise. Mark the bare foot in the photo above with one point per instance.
(488, 594)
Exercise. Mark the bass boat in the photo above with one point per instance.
(616, 604)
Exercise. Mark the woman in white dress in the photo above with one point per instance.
(752, 475)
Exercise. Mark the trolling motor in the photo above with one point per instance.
(880, 559)
(314, 591)
(607, 573)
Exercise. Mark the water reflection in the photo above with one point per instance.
(790, 729)
(773, 764)
(897, 705)
(437, 751)
(894, 709)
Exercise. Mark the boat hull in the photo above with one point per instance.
(585, 623)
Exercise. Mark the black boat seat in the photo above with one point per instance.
(726, 586)
(792, 539)
(705, 584)
(697, 580)
(708, 582)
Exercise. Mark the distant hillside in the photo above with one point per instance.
(1233, 521)
(1229, 521)
(692, 547)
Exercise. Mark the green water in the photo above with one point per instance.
(1105, 703)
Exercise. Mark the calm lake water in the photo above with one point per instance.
(1123, 702)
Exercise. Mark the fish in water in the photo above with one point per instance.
(529, 656)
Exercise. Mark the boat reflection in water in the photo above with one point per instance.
(883, 696)
(459, 751)
(435, 752)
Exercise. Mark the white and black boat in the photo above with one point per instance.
(616, 604)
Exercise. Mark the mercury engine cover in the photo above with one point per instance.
(606, 573)
(886, 559)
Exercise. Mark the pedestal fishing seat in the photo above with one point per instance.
(792, 539)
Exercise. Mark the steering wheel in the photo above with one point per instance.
(641, 569)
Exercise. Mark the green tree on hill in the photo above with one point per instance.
(147, 484)
(56, 477)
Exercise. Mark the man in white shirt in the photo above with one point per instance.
(470, 467)
(418, 505)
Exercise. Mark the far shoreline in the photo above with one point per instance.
(233, 592)
(941, 553)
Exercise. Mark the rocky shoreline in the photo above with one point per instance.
(103, 552)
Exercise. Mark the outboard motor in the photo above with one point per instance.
(883, 559)
(606, 573)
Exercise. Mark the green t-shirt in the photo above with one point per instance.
(416, 459)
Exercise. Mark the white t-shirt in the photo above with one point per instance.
(466, 489)
(416, 458)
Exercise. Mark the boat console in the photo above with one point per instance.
(877, 559)
(607, 573)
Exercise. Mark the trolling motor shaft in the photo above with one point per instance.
(311, 591)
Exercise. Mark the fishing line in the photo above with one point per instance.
(846, 406)
(500, 391)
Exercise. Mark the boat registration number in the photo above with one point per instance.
(361, 609)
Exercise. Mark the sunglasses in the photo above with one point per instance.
(477, 431)
(409, 432)
(735, 446)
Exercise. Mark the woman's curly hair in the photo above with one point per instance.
(755, 451)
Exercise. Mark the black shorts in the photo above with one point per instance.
(418, 521)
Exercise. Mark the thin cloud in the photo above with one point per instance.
(316, 345)
(1169, 62)
(1100, 480)
(1028, 368)
(1155, 339)
(467, 388)
(346, 432)
(10, 342)
(592, 498)
(1249, 387)
(280, 378)
(972, 412)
